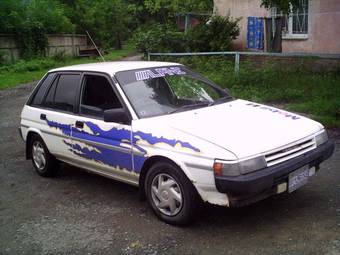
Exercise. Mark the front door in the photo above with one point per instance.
(100, 146)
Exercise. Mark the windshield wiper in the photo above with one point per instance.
(188, 106)
(221, 100)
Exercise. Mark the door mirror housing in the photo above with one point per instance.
(117, 115)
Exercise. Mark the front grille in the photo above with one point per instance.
(289, 152)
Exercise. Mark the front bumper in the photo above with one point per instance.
(248, 188)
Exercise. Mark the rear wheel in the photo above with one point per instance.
(44, 163)
(170, 194)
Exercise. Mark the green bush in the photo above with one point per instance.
(214, 35)
(30, 21)
(159, 38)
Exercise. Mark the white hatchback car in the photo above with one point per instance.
(170, 131)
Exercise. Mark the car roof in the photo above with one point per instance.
(113, 67)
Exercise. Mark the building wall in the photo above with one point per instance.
(324, 24)
(69, 44)
(240, 9)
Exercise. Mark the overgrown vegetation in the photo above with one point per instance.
(31, 70)
(152, 26)
(110, 22)
(295, 89)
(30, 21)
(214, 34)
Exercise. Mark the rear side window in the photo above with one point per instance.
(63, 92)
(39, 95)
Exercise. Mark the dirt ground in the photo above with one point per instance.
(80, 213)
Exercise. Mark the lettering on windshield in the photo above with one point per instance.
(158, 72)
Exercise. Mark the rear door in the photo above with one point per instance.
(54, 114)
(102, 147)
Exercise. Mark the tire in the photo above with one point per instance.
(176, 200)
(44, 163)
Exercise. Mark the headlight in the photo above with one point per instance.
(321, 138)
(225, 168)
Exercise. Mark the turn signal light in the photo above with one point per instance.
(218, 169)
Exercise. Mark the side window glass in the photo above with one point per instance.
(39, 95)
(66, 92)
(98, 96)
(49, 100)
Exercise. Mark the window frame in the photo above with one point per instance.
(290, 35)
(115, 90)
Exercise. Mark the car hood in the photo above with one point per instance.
(243, 127)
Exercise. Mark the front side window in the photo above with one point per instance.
(97, 96)
(166, 90)
(296, 23)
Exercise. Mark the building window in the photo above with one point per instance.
(295, 24)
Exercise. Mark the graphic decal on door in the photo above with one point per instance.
(118, 157)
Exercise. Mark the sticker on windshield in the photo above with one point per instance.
(158, 72)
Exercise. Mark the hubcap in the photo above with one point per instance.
(38, 154)
(166, 194)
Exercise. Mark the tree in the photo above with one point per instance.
(164, 10)
(31, 20)
(108, 21)
(283, 5)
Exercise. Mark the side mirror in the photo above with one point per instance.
(118, 115)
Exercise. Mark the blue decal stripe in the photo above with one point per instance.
(153, 140)
(113, 137)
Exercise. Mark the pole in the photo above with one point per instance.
(95, 46)
(237, 62)
(186, 24)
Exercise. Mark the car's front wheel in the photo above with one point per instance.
(170, 193)
(44, 163)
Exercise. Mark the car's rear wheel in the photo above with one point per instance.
(43, 162)
(170, 194)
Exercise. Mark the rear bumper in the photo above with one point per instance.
(262, 183)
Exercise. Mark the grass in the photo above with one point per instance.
(25, 71)
(295, 89)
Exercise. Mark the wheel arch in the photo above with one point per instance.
(30, 133)
(151, 161)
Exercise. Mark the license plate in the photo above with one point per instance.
(298, 178)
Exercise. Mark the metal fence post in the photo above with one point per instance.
(148, 56)
(237, 62)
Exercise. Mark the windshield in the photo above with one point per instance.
(166, 90)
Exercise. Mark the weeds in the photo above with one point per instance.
(295, 88)
(25, 71)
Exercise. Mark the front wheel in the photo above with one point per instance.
(170, 194)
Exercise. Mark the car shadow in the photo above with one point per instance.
(273, 210)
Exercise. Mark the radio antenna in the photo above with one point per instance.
(95, 46)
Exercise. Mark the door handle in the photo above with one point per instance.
(79, 124)
(43, 116)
